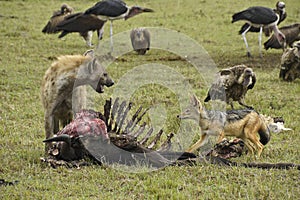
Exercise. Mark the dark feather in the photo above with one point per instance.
(110, 8)
(80, 23)
(57, 17)
(256, 15)
(291, 32)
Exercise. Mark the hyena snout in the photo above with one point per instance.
(109, 82)
(104, 81)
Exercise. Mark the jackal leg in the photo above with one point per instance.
(221, 137)
(250, 134)
(259, 147)
(199, 143)
(249, 145)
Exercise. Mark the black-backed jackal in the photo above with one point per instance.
(244, 124)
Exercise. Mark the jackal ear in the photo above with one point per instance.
(195, 101)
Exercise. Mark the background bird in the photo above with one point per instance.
(61, 16)
(280, 10)
(290, 63)
(232, 84)
(56, 18)
(140, 40)
(83, 24)
(94, 18)
(259, 17)
(292, 34)
(114, 10)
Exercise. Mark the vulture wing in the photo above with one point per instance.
(80, 22)
(53, 22)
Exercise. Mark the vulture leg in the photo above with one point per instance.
(88, 39)
(111, 35)
(245, 40)
(259, 40)
(230, 102)
(242, 103)
(100, 33)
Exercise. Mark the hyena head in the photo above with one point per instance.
(94, 74)
(194, 110)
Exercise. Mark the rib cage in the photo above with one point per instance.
(120, 125)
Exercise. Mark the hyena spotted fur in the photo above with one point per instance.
(61, 82)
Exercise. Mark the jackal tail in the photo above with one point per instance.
(264, 134)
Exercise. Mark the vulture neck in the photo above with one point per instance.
(279, 35)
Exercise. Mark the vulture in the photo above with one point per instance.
(280, 10)
(292, 34)
(56, 18)
(140, 40)
(232, 84)
(59, 17)
(290, 63)
(95, 17)
(260, 17)
(82, 24)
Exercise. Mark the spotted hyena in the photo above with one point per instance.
(61, 82)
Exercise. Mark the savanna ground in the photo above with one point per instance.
(26, 53)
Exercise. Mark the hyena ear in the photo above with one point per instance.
(225, 72)
(89, 53)
(92, 65)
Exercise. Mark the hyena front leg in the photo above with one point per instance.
(79, 96)
(51, 124)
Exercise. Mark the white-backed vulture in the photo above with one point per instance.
(232, 84)
(292, 34)
(140, 40)
(290, 63)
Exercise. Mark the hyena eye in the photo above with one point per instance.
(105, 74)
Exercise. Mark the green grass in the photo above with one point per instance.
(26, 53)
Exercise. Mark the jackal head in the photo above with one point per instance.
(94, 74)
(194, 111)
